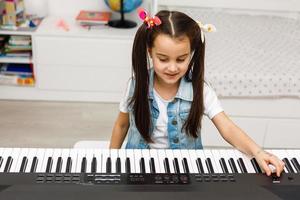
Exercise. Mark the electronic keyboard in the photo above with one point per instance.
(36, 173)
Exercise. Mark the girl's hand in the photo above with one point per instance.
(265, 159)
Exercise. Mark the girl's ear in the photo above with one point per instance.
(149, 52)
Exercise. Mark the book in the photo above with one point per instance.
(16, 69)
(93, 17)
(16, 80)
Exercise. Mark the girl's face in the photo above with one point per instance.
(171, 57)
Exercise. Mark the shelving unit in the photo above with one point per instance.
(16, 59)
(74, 65)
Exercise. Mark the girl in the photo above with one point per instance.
(164, 105)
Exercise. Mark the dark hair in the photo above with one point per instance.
(174, 24)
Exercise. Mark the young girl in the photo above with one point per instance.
(164, 105)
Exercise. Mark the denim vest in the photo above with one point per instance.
(178, 111)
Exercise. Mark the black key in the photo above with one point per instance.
(223, 165)
(58, 165)
(199, 166)
(69, 165)
(8, 164)
(152, 166)
(108, 165)
(242, 165)
(185, 166)
(176, 166)
(118, 165)
(49, 164)
(288, 165)
(127, 165)
(296, 164)
(94, 165)
(142, 165)
(1, 160)
(83, 165)
(232, 165)
(23, 164)
(34, 164)
(255, 165)
(167, 165)
(209, 165)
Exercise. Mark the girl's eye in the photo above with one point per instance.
(163, 60)
(180, 60)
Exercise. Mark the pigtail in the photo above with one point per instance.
(139, 100)
(196, 75)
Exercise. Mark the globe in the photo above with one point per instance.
(129, 5)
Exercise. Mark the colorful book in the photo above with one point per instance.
(93, 17)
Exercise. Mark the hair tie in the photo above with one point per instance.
(206, 28)
(150, 21)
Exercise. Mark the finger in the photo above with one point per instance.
(266, 168)
(277, 163)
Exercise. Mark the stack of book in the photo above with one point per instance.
(16, 74)
(17, 46)
(91, 19)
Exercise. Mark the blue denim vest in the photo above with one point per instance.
(178, 111)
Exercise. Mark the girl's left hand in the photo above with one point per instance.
(265, 158)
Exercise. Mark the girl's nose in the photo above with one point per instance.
(173, 67)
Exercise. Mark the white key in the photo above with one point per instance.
(146, 156)
(217, 158)
(137, 159)
(200, 154)
(246, 160)
(113, 155)
(40, 154)
(6, 153)
(89, 157)
(98, 155)
(30, 156)
(56, 154)
(280, 154)
(105, 155)
(170, 156)
(185, 154)
(74, 157)
(289, 157)
(225, 154)
(15, 156)
(293, 154)
(193, 158)
(130, 155)
(233, 155)
(80, 156)
(153, 154)
(64, 155)
(177, 154)
(208, 154)
(48, 153)
(161, 157)
(122, 155)
(18, 163)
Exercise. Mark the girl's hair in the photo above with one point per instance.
(175, 24)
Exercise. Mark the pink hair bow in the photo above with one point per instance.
(150, 21)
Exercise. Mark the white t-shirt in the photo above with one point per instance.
(212, 107)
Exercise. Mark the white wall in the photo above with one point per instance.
(273, 5)
(70, 7)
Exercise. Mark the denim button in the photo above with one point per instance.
(175, 140)
(174, 122)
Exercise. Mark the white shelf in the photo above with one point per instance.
(16, 60)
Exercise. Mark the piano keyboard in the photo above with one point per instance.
(125, 161)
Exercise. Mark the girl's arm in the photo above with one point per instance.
(119, 131)
(240, 140)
